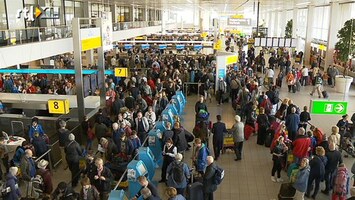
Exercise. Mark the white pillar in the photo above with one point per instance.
(334, 26)
(309, 32)
(294, 22)
(269, 25)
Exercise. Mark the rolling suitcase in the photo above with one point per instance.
(325, 94)
(287, 192)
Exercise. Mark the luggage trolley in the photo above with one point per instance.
(228, 142)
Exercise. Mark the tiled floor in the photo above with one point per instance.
(249, 179)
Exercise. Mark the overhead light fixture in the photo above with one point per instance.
(304, 3)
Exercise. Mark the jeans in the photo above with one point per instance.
(328, 177)
(318, 88)
(309, 185)
(304, 81)
(238, 148)
(62, 153)
(277, 167)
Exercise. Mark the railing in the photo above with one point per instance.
(129, 25)
(33, 34)
(38, 34)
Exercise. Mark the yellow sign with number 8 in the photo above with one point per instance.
(58, 106)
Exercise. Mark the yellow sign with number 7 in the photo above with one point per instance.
(121, 72)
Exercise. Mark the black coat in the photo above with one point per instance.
(73, 152)
(218, 129)
(179, 139)
(208, 179)
(103, 186)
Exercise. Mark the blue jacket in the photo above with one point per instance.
(302, 180)
(18, 155)
(11, 181)
(33, 129)
(171, 182)
(202, 158)
(292, 122)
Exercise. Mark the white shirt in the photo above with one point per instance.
(270, 73)
(305, 71)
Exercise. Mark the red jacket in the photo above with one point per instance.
(301, 146)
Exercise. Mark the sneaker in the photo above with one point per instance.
(279, 180)
(273, 179)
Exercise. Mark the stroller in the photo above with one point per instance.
(347, 145)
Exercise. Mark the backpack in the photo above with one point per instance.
(38, 184)
(4, 190)
(218, 176)
(178, 172)
(340, 182)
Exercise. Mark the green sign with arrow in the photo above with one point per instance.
(329, 107)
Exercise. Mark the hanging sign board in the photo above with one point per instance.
(239, 22)
(107, 31)
(329, 107)
(58, 106)
(121, 72)
(90, 38)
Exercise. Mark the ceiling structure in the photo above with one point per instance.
(219, 6)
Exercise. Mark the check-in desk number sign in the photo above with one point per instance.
(58, 106)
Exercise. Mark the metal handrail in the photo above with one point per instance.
(125, 172)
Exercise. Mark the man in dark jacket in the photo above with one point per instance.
(12, 183)
(73, 153)
(28, 168)
(63, 134)
(102, 179)
(117, 105)
(218, 129)
(208, 179)
(292, 124)
(334, 159)
(179, 138)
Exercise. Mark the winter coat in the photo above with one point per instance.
(316, 168)
(201, 160)
(171, 182)
(73, 152)
(179, 139)
(12, 182)
(300, 146)
(208, 179)
(103, 185)
(145, 124)
(47, 180)
(302, 179)
(238, 132)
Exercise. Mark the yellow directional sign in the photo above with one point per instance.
(121, 72)
(58, 106)
(322, 47)
(218, 45)
(204, 34)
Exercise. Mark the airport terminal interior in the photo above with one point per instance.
(175, 100)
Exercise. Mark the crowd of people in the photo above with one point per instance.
(134, 104)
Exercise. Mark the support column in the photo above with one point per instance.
(145, 14)
(86, 10)
(200, 20)
(90, 57)
(163, 21)
(269, 25)
(78, 71)
(309, 32)
(114, 13)
(101, 66)
(276, 24)
(294, 22)
(15, 22)
(131, 13)
(334, 26)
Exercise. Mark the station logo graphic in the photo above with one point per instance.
(38, 12)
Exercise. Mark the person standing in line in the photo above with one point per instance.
(102, 179)
(341, 183)
(218, 130)
(142, 126)
(317, 170)
(73, 153)
(28, 170)
(302, 179)
(178, 174)
(46, 176)
(169, 153)
(221, 89)
(334, 159)
(278, 153)
(12, 183)
(305, 117)
(238, 137)
(208, 179)
(292, 124)
(63, 140)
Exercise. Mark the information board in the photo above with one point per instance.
(58, 106)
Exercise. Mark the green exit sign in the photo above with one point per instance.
(329, 107)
